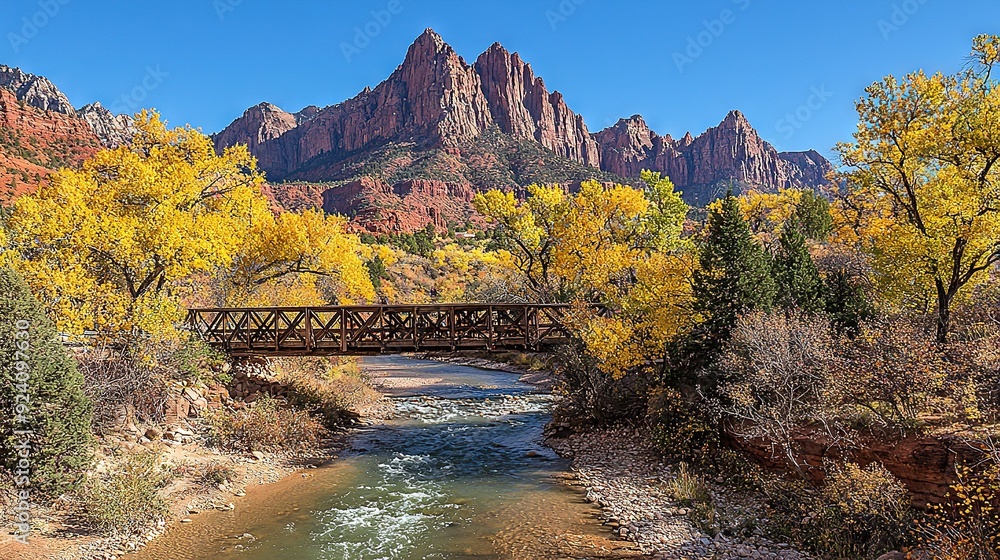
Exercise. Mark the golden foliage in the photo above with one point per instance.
(923, 196)
(766, 213)
(301, 246)
(107, 245)
(614, 245)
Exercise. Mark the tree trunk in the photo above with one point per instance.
(943, 313)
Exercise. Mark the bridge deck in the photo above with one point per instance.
(376, 329)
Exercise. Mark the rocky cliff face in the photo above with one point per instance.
(522, 107)
(34, 142)
(806, 168)
(406, 206)
(113, 130)
(433, 99)
(439, 117)
(259, 125)
(37, 91)
(704, 165)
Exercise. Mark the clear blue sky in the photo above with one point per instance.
(211, 59)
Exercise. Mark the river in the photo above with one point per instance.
(460, 473)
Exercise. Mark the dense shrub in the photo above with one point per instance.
(34, 363)
(330, 390)
(967, 525)
(891, 373)
(776, 379)
(973, 357)
(194, 359)
(127, 378)
(123, 386)
(682, 429)
(264, 426)
(861, 512)
(592, 396)
(127, 499)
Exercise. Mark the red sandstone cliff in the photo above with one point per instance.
(522, 107)
(35, 142)
(406, 206)
(438, 117)
(732, 151)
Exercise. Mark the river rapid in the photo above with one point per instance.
(459, 473)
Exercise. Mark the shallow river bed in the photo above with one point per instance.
(460, 473)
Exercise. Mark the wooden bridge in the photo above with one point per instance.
(376, 329)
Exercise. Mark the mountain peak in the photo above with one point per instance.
(428, 45)
(735, 119)
(266, 106)
(113, 130)
(434, 100)
(36, 91)
(496, 47)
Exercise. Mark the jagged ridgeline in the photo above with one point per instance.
(416, 147)
(489, 124)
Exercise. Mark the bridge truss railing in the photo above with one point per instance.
(373, 329)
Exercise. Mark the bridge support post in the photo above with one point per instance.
(451, 328)
(343, 331)
(489, 328)
(309, 330)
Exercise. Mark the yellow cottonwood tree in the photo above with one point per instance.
(5, 255)
(107, 245)
(306, 246)
(102, 244)
(923, 182)
(614, 245)
(462, 270)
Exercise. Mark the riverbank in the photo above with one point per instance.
(636, 491)
(200, 475)
(59, 534)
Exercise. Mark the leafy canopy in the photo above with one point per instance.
(107, 245)
(609, 244)
(922, 183)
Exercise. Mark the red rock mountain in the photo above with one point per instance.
(34, 142)
(706, 165)
(490, 124)
(40, 131)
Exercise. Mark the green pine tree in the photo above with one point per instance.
(812, 216)
(57, 414)
(846, 303)
(797, 279)
(735, 273)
